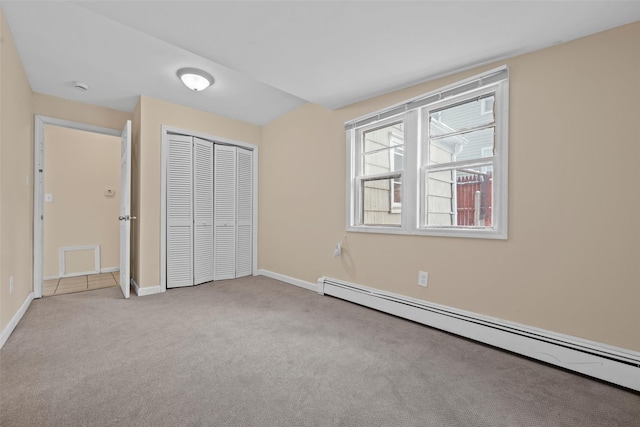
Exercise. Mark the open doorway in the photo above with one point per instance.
(81, 208)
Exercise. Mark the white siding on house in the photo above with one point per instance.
(382, 153)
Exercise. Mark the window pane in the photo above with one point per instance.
(386, 160)
(383, 137)
(469, 146)
(381, 201)
(440, 199)
(460, 197)
(462, 116)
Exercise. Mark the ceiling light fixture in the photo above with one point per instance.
(195, 79)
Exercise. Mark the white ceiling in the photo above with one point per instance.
(269, 57)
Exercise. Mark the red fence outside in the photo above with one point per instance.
(475, 209)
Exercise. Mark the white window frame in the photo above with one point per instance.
(413, 175)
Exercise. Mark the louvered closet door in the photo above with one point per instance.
(244, 240)
(179, 212)
(203, 210)
(224, 257)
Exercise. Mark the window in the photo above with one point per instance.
(434, 165)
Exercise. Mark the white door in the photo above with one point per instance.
(244, 213)
(180, 211)
(125, 208)
(202, 210)
(224, 221)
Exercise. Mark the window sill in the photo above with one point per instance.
(472, 233)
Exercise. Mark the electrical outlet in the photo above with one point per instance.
(11, 284)
(423, 278)
(338, 250)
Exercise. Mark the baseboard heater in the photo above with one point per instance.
(608, 363)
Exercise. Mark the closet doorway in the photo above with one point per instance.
(209, 209)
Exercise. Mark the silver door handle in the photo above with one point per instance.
(126, 218)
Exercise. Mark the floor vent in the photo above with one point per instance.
(608, 363)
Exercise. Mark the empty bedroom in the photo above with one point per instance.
(319, 213)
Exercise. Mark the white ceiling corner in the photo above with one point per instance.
(269, 57)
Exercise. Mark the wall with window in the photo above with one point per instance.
(570, 262)
(441, 160)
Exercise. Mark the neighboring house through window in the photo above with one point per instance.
(381, 163)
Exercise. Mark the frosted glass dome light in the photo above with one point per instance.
(195, 79)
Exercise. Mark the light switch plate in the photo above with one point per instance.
(48, 197)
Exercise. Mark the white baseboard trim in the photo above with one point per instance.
(109, 269)
(148, 290)
(6, 332)
(616, 365)
(290, 280)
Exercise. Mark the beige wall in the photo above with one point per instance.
(59, 108)
(78, 167)
(155, 113)
(17, 106)
(16, 167)
(570, 264)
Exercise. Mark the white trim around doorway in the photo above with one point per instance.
(38, 187)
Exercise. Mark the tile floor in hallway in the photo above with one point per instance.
(69, 285)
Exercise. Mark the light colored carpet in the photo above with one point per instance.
(258, 352)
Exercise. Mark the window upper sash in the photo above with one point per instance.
(490, 77)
